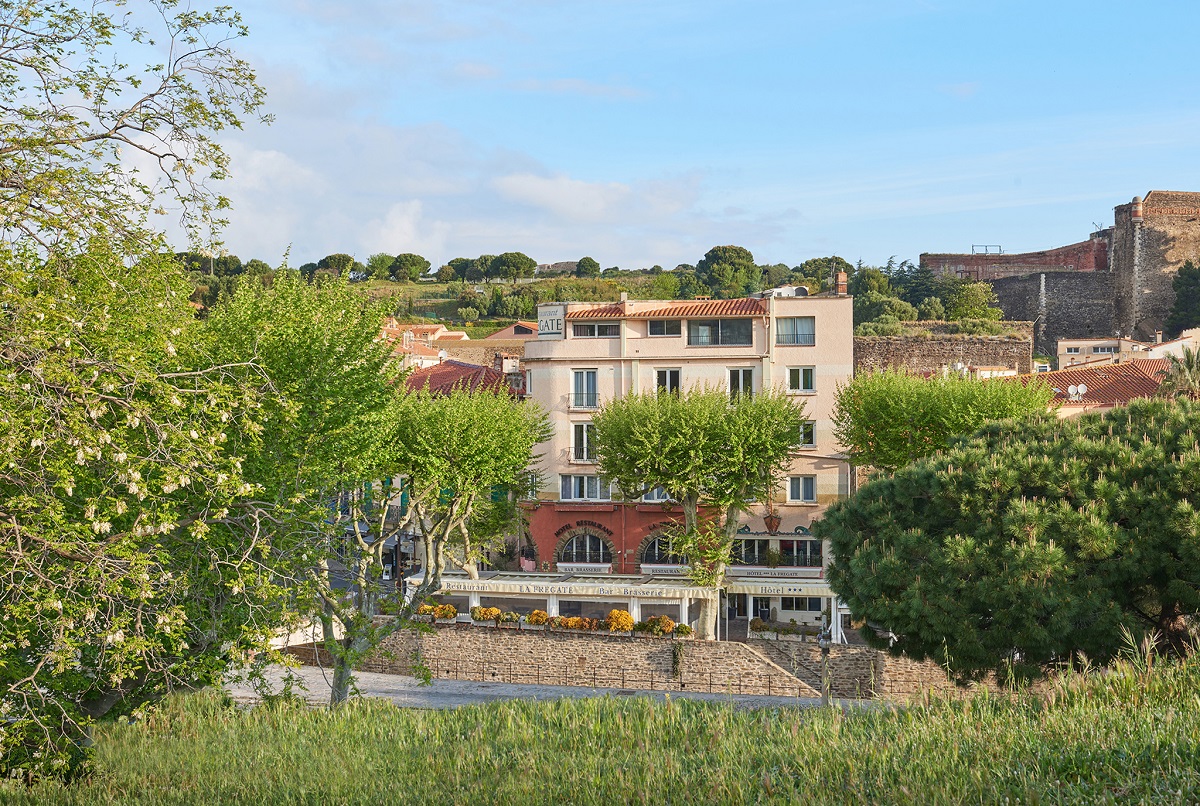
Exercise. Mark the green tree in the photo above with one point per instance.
(728, 270)
(468, 313)
(888, 419)
(460, 266)
(128, 535)
(872, 305)
(1031, 543)
(511, 265)
(379, 265)
(1185, 312)
(931, 309)
(72, 103)
(258, 268)
(338, 263)
(870, 280)
(967, 300)
(407, 267)
(706, 452)
(323, 437)
(917, 283)
(447, 274)
(478, 269)
(824, 269)
(587, 267)
(462, 454)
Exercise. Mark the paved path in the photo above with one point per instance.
(407, 692)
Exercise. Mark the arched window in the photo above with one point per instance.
(658, 552)
(585, 548)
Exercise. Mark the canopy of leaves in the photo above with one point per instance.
(966, 300)
(587, 267)
(407, 267)
(379, 265)
(728, 270)
(1185, 312)
(131, 553)
(1182, 375)
(888, 419)
(871, 305)
(511, 265)
(72, 102)
(1030, 542)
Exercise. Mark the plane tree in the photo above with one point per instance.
(714, 456)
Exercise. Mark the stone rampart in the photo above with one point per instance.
(935, 353)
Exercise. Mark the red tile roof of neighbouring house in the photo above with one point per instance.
(450, 375)
(1107, 384)
(517, 330)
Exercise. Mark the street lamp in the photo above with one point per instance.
(824, 641)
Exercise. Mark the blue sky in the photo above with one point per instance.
(643, 133)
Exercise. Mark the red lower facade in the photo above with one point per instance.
(598, 533)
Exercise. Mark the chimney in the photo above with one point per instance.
(840, 284)
(1158, 337)
(625, 307)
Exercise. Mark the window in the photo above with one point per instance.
(796, 330)
(665, 327)
(667, 380)
(728, 332)
(741, 382)
(1072, 351)
(752, 551)
(593, 330)
(585, 488)
(1106, 350)
(585, 389)
(801, 553)
(658, 552)
(585, 549)
(801, 604)
(657, 494)
(803, 489)
(808, 434)
(583, 449)
(802, 379)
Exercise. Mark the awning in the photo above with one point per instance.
(782, 587)
(588, 586)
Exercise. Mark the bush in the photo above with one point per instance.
(426, 610)
(879, 329)
(537, 618)
(976, 327)
(683, 630)
(445, 611)
(557, 623)
(509, 617)
(479, 613)
(758, 625)
(655, 625)
(468, 314)
(619, 621)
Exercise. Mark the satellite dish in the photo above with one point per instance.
(1082, 390)
(1072, 390)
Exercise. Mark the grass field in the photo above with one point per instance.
(1129, 736)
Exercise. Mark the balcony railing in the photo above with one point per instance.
(805, 339)
(585, 400)
(812, 560)
(583, 453)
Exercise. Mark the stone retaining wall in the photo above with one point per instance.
(468, 652)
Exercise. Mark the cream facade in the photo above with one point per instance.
(1072, 352)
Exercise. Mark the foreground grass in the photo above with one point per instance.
(1130, 736)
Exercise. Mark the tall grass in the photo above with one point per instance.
(1131, 735)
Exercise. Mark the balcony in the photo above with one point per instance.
(796, 339)
(585, 400)
(583, 454)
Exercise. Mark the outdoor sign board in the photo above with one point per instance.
(551, 319)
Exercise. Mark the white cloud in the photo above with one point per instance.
(572, 199)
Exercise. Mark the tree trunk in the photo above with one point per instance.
(709, 614)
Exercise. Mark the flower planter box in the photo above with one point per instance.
(691, 637)
(423, 619)
(766, 635)
(446, 620)
(649, 635)
(795, 639)
(532, 627)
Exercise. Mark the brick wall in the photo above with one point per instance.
(1089, 255)
(935, 353)
(467, 652)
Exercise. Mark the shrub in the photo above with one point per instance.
(537, 618)
(683, 630)
(479, 613)
(558, 623)
(758, 625)
(976, 327)
(445, 611)
(619, 621)
(509, 617)
(426, 610)
(655, 625)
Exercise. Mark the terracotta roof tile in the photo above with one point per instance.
(678, 309)
(449, 375)
(1112, 384)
